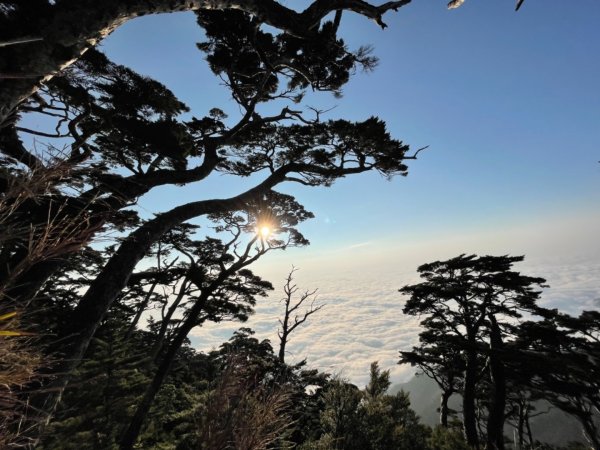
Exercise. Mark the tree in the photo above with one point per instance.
(370, 419)
(341, 417)
(388, 421)
(65, 30)
(558, 360)
(127, 123)
(379, 382)
(288, 325)
(471, 299)
(225, 286)
(439, 358)
(126, 135)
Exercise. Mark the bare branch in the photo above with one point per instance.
(287, 326)
(21, 40)
(414, 155)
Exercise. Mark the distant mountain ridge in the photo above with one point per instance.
(555, 427)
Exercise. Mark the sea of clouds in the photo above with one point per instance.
(362, 320)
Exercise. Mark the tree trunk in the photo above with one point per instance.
(99, 297)
(521, 425)
(495, 423)
(164, 326)
(444, 407)
(282, 343)
(469, 412)
(529, 433)
(133, 430)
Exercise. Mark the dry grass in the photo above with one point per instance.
(241, 415)
(18, 365)
(60, 234)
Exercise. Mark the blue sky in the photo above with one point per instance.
(509, 104)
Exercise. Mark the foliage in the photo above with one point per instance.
(444, 438)
(113, 136)
(476, 342)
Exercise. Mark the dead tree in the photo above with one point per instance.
(288, 325)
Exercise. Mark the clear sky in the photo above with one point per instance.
(509, 104)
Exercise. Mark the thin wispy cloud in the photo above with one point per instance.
(360, 244)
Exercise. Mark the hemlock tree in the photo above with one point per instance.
(472, 299)
(127, 137)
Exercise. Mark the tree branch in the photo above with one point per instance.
(74, 26)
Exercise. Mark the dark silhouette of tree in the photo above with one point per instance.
(226, 288)
(440, 359)
(559, 361)
(119, 119)
(470, 299)
(127, 137)
(65, 30)
(288, 323)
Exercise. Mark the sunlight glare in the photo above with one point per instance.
(264, 231)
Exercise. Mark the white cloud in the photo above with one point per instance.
(363, 321)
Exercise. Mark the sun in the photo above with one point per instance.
(264, 231)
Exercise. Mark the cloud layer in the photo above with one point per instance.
(363, 321)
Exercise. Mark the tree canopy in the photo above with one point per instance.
(114, 318)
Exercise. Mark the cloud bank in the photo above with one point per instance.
(363, 321)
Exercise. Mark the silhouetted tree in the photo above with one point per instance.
(288, 323)
(58, 33)
(441, 360)
(469, 298)
(225, 286)
(559, 360)
(127, 135)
